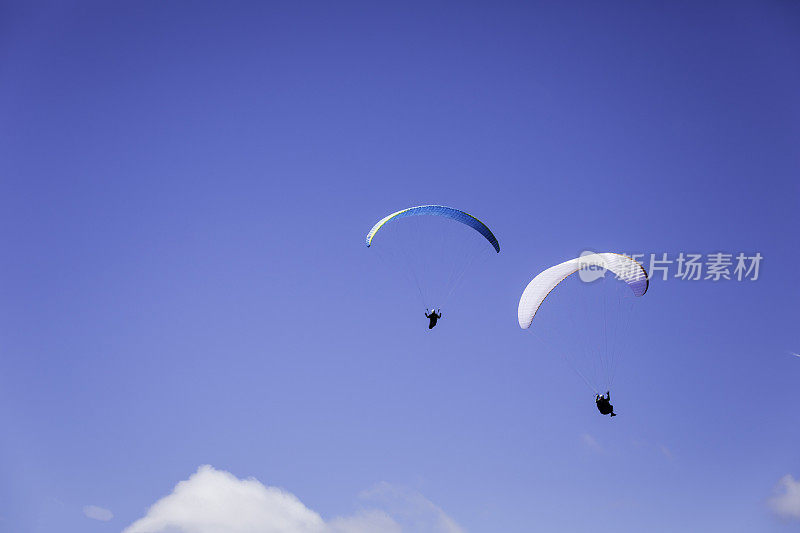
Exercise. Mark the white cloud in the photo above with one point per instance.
(215, 501)
(786, 501)
(97, 513)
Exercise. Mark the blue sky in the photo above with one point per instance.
(184, 193)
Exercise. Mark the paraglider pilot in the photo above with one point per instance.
(433, 317)
(604, 404)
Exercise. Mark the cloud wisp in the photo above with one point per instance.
(97, 513)
(215, 501)
(786, 500)
(591, 443)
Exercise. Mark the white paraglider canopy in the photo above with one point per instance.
(625, 268)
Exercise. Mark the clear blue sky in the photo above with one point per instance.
(184, 193)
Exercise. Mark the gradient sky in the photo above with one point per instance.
(184, 193)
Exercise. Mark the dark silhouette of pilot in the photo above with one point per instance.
(604, 404)
(433, 317)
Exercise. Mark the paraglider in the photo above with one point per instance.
(604, 404)
(433, 318)
(433, 246)
(608, 314)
